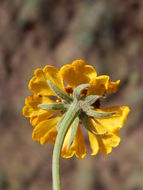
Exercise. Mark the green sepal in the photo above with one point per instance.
(86, 124)
(53, 106)
(77, 91)
(95, 114)
(59, 92)
(85, 108)
(87, 102)
(74, 127)
(91, 99)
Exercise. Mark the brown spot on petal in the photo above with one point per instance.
(40, 96)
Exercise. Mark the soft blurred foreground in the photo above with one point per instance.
(108, 35)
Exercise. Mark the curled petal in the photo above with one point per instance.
(31, 106)
(45, 131)
(49, 136)
(44, 116)
(102, 143)
(78, 146)
(101, 85)
(39, 85)
(98, 85)
(107, 142)
(54, 76)
(112, 87)
(110, 126)
(79, 71)
(115, 121)
(93, 143)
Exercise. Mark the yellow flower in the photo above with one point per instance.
(102, 131)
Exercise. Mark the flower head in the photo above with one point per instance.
(55, 91)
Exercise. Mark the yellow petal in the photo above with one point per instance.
(114, 122)
(103, 143)
(101, 85)
(43, 129)
(107, 142)
(110, 126)
(98, 85)
(77, 73)
(44, 116)
(33, 120)
(93, 143)
(49, 136)
(54, 76)
(31, 106)
(112, 87)
(39, 85)
(78, 146)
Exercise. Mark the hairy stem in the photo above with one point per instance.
(69, 117)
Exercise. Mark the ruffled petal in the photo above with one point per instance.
(54, 76)
(110, 126)
(77, 73)
(93, 143)
(114, 122)
(102, 143)
(78, 146)
(45, 130)
(31, 107)
(98, 85)
(101, 85)
(44, 116)
(39, 85)
(107, 142)
(112, 87)
(49, 136)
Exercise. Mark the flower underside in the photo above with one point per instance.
(51, 103)
(85, 104)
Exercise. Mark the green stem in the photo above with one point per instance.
(70, 115)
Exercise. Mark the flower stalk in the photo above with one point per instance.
(70, 116)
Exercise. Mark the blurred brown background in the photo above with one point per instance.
(108, 35)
